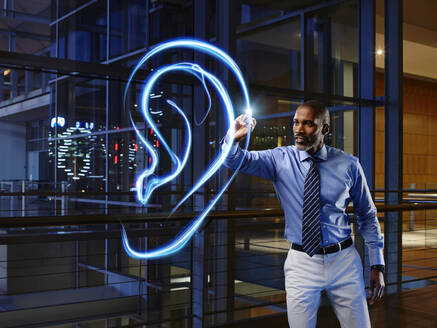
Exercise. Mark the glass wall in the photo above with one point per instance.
(80, 125)
(332, 38)
(289, 56)
(74, 118)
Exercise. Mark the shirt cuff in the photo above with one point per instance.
(376, 256)
(234, 147)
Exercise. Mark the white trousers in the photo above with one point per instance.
(340, 274)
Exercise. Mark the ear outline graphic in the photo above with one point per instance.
(144, 189)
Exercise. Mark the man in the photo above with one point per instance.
(315, 183)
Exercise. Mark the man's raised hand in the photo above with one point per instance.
(241, 124)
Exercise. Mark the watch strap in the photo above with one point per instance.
(378, 267)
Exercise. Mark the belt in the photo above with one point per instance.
(328, 249)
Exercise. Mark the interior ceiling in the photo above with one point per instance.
(34, 7)
(419, 35)
(420, 13)
(419, 32)
(287, 5)
(32, 36)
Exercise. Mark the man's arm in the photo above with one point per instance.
(259, 163)
(369, 227)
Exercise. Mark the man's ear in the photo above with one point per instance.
(325, 129)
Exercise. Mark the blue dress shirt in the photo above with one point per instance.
(341, 180)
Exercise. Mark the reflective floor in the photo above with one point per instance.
(408, 309)
(413, 309)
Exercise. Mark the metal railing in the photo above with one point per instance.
(74, 268)
(36, 198)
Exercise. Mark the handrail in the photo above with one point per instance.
(132, 193)
(39, 221)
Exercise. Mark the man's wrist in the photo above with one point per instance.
(378, 267)
(226, 140)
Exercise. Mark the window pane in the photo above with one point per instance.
(271, 56)
(332, 50)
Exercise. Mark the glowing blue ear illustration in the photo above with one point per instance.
(147, 181)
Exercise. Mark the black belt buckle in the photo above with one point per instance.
(331, 249)
(327, 249)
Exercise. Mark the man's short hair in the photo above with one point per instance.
(320, 110)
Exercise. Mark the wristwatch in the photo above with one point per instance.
(378, 267)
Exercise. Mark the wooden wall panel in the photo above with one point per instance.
(432, 125)
(420, 134)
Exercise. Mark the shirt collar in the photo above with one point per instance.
(322, 154)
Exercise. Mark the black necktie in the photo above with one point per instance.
(311, 211)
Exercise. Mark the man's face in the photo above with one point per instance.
(307, 129)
